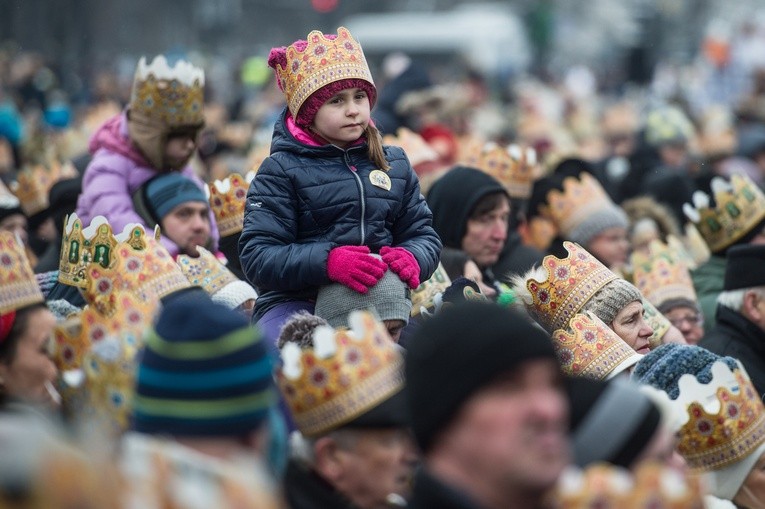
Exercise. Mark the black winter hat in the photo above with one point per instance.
(744, 267)
(454, 196)
(464, 348)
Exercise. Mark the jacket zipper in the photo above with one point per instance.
(361, 193)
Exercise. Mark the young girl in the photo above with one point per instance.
(157, 133)
(330, 195)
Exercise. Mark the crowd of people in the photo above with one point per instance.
(410, 297)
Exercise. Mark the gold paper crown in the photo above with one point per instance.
(416, 148)
(347, 373)
(81, 247)
(580, 199)
(725, 418)
(590, 349)
(658, 323)
(206, 271)
(423, 296)
(323, 61)
(33, 184)
(570, 283)
(739, 207)
(469, 150)
(76, 335)
(227, 200)
(661, 274)
(173, 95)
(142, 266)
(651, 485)
(513, 166)
(18, 286)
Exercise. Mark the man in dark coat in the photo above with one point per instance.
(471, 212)
(740, 328)
(496, 435)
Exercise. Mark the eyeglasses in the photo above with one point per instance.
(689, 319)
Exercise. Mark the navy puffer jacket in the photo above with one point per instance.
(306, 200)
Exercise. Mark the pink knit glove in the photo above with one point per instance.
(403, 263)
(353, 267)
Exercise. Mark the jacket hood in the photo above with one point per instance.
(452, 199)
(113, 135)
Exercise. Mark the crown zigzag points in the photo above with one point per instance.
(228, 198)
(513, 166)
(662, 274)
(581, 198)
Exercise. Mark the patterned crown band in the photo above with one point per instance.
(323, 61)
(17, 280)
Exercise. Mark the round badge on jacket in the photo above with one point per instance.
(380, 179)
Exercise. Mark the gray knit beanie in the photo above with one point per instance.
(584, 232)
(390, 299)
(611, 299)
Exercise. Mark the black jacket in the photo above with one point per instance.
(306, 200)
(734, 335)
(430, 493)
(306, 490)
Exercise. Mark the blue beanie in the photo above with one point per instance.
(663, 367)
(204, 372)
(158, 196)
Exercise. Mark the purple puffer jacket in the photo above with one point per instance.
(116, 171)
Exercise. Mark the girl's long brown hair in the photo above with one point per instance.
(376, 152)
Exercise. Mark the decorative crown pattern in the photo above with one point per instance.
(227, 200)
(659, 323)
(206, 271)
(570, 283)
(75, 336)
(416, 148)
(17, 280)
(661, 274)
(651, 485)
(739, 207)
(142, 266)
(515, 167)
(81, 247)
(33, 184)
(321, 62)
(580, 199)
(589, 348)
(423, 297)
(173, 95)
(725, 418)
(347, 373)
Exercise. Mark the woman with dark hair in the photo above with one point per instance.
(27, 372)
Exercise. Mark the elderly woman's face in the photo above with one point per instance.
(630, 325)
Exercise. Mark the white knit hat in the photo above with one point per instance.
(234, 294)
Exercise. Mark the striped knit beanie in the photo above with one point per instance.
(205, 372)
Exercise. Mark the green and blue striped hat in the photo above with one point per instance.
(204, 372)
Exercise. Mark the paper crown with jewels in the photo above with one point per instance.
(650, 484)
(416, 148)
(33, 184)
(589, 348)
(515, 167)
(570, 283)
(172, 95)
(662, 275)
(227, 200)
(345, 374)
(142, 265)
(206, 271)
(75, 336)
(739, 207)
(81, 247)
(323, 61)
(724, 419)
(17, 280)
(423, 297)
(580, 199)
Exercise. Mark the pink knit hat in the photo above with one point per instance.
(310, 72)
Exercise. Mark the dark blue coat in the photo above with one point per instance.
(306, 200)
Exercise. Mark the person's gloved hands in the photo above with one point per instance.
(355, 268)
(403, 263)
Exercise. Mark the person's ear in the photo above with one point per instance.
(328, 460)
(751, 308)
